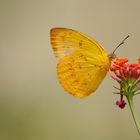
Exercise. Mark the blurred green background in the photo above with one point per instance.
(33, 105)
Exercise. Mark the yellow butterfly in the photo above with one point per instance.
(83, 62)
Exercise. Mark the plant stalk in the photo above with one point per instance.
(134, 115)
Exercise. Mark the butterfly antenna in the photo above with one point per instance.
(120, 44)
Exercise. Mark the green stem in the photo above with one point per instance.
(131, 105)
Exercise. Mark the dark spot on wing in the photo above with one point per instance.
(80, 43)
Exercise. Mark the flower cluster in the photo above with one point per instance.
(128, 77)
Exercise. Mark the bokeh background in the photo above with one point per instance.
(33, 105)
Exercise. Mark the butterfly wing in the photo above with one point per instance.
(65, 41)
(83, 62)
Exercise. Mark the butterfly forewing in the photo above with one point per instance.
(65, 41)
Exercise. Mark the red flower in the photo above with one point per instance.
(119, 69)
(128, 76)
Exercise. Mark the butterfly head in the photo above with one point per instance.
(112, 56)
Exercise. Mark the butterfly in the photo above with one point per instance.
(83, 63)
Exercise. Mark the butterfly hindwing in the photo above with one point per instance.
(79, 74)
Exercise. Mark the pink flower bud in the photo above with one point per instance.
(121, 103)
